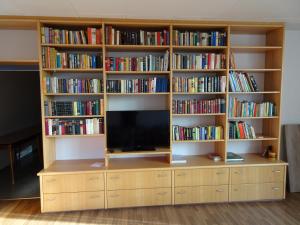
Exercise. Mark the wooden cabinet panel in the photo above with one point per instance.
(138, 179)
(139, 197)
(73, 201)
(73, 183)
(251, 192)
(201, 194)
(198, 177)
(259, 174)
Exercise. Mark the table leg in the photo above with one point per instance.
(11, 159)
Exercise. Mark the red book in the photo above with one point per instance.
(241, 130)
(158, 38)
(98, 36)
(46, 127)
(89, 34)
(165, 38)
(208, 60)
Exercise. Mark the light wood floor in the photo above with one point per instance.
(287, 212)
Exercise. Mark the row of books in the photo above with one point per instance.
(241, 130)
(197, 38)
(74, 127)
(146, 85)
(250, 109)
(143, 63)
(51, 35)
(74, 108)
(199, 61)
(242, 82)
(61, 85)
(181, 133)
(115, 36)
(51, 58)
(197, 106)
(199, 84)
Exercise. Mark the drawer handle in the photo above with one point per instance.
(181, 174)
(180, 192)
(237, 172)
(161, 175)
(114, 195)
(162, 193)
(219, 190)
(51, 180)
(93, 178)
(220, 173)
(236, 189)
(51, 199)
(275, 188)
(94, 196)
(115, 177)
(276, 171)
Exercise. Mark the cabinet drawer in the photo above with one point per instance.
(201, 194)
(73, 201)
(73, 183)
(198, 177)
(140, 179)
(251, 192)
(259, 174)
(139, 197)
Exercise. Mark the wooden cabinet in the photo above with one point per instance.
(252, 192)
(73, 201)
(201, 194)
(139, 197)
(197, 177)
(138, 179)
(257, 174)
(73, 183)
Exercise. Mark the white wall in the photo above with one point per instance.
(290, 110)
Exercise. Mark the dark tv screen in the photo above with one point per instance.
(138, 130)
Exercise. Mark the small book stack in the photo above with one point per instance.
(250, 109)
(181, 133)
(61, 85)
(145, 63)
(74, 127)
(115, 36)
(199, 84)
(74, 108)
(198, 106)
(242, 82)
(146, 85)
(200, 61)
(241, 130)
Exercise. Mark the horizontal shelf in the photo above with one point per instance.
(254, 48)
(21, 62)
(75, 135)
(198, 93)
(73, 46)
(194, 48)
(253, 118)
(73, 94)
(138, 72)
(255, 70)
(158, 93)
(258, 138)
(72, 70)
(137, 47)
(155, 152)
(200, 70)
(84, 116)
(198, 141)
(200, 114)
(253, 93)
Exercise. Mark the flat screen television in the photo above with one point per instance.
(138, 130)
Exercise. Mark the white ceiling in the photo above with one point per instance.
(259, 10)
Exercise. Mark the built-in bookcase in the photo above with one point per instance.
(252, 48)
